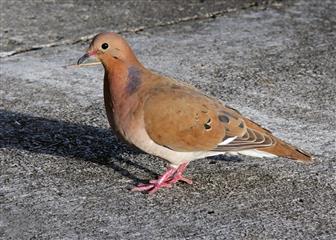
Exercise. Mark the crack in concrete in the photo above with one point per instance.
(127, 30)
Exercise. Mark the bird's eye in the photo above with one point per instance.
(104, 46)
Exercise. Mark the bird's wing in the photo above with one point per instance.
(183, 119)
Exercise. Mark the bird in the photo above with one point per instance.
(172, 120)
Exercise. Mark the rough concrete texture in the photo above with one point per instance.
(63, 174)
(59, 22)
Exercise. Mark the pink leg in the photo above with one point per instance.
(178, 176)
(171, 176)
(155, 185)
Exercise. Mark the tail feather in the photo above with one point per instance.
(280, 148)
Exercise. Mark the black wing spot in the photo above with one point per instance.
(224, 119)
(207, 125)
(241, 125)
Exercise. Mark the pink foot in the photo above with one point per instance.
(178, 175)
(171, 176)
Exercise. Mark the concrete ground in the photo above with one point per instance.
(64, 175)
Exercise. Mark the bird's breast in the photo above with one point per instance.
(122, 111)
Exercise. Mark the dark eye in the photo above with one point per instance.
(104, 46)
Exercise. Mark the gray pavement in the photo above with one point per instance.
(64, 175)
(33, 24)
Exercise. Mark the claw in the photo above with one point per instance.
(142, 187)
(171, 176)
(183, 179)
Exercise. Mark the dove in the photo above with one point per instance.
(171, 119)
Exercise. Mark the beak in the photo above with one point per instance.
(88, 59)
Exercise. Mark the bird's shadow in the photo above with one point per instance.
(61, 138)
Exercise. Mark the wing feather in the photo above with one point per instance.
(183, 119)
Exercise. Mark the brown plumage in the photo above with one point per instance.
(172, 120)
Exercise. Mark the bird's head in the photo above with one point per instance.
(108, 48)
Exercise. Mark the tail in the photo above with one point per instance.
(280, 148)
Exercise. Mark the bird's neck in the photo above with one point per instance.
(115, 80)
(121, 82)
(122, 79)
